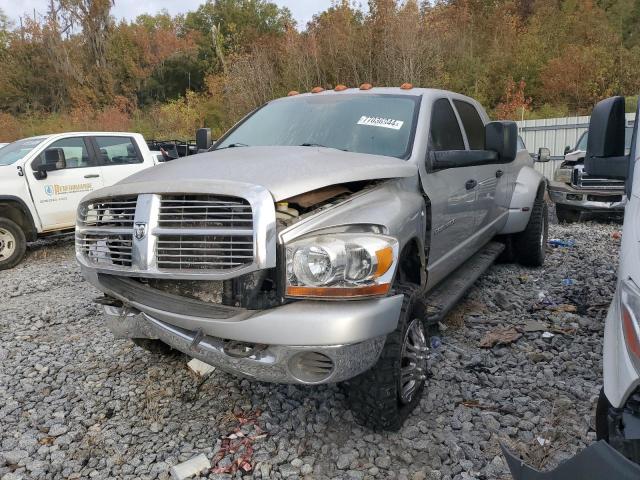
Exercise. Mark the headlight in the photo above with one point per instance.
(340, 265)
(630, 317)
(563, 175)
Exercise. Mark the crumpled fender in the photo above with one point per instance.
(599, 461)
(525, 189)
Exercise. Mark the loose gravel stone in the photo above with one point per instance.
(76, 403)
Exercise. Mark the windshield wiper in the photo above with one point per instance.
(233, 145)
(321, 146)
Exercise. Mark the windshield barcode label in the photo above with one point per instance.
(381, 122)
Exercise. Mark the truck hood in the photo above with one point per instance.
(284, 171)
(574, 156)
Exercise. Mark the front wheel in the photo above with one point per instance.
(382, 397)
(529, 246)
(13, 244)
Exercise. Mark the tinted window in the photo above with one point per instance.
(69, 152)
(472, 124)
(376, 124)
(445, 132)
(521, 145)
(117, 151)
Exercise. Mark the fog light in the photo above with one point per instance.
(574, 196)
(311, 367)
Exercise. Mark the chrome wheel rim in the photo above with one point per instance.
(7, 244)
(413, 361)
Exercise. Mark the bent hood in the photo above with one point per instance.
(284, 171)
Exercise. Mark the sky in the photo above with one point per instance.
(302, 10)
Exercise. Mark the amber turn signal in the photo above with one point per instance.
(406, 86)
(385, 260)
(338, 292)
(366, 86)
(317, 90)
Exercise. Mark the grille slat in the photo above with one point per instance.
(113, 212)
(580, 179)
(204, 232)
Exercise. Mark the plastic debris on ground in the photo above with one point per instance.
(500, 336)
(200, 368)
(557, 242)
(193, 466)
(568, 281)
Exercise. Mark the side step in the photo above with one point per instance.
(444, 296)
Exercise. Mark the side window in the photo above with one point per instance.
(66, 153)
(521, 143)
(472, 123)
(445, 132)
(117, 151)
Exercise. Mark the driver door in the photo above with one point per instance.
(72, 173)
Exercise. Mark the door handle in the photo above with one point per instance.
(499, 173)
(93, 175)
(470, 184)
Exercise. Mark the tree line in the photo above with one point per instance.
(75, 67)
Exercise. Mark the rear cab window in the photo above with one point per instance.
(117, 151)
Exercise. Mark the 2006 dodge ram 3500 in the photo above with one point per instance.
(320, 240)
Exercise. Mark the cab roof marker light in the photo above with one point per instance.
(317, 90)
(406, 86)
(340, 88)
(366, 86)
(293, 93)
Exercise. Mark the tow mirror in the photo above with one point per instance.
(605, 145)
(502, 137)
(544, 155)
(203, 139)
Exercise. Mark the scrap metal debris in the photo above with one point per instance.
(500, 336)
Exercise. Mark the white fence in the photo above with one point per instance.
(555, 134)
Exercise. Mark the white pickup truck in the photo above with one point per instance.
(42, 180)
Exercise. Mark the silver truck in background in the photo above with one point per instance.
(320, 240)
(574, 191)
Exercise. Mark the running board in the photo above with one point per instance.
(444, 296)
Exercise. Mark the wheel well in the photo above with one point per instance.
(16, 213)
(411, 268)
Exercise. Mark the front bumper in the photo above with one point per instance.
(350, 334)
(268, 363)
(588, 200)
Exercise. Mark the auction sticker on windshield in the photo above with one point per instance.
(381, 122)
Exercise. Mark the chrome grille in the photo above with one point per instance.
(581, 179)
(105, 249)
(203, 211)
(113, 212)
(204, 232)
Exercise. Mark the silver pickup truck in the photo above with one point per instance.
(320, 240)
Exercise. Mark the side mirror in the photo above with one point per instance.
(544, 155)
(605, 146)
(567, 149)
(54, 159)
(502, 137)
(203, 139)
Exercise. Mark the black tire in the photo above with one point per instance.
(155, 346)
(567, 214)
(13, 244)
(375, 396)
(530, 245)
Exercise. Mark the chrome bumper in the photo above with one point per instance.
(269, 363)
(595, 200)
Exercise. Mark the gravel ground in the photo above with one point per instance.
(75, 403)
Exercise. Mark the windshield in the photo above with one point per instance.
(628, 133)
(17, 150)
(376, 124)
